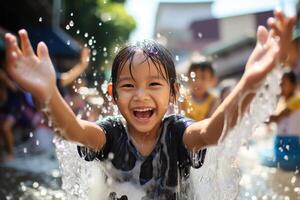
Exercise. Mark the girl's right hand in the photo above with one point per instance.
(33, 73)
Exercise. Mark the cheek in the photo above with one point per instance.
(124, 94)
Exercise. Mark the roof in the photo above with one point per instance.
(220, 48)
(59, 42)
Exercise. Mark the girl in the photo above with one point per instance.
(143, 146)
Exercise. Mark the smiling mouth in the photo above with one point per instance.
(143, 113)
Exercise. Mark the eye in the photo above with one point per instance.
(127, 85)
(155, 84)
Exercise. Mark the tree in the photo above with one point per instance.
(103, 25)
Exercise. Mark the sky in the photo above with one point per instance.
(144, 11)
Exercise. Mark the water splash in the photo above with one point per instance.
(219, 177)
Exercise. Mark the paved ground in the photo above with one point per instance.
(35, 176)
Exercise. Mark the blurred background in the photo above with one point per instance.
(83, 37)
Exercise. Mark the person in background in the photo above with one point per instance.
(286, 147)
(200, 103)
(7, 120)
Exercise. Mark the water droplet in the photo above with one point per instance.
(77, 32)
(86, 35)
(110, 156)
(43, 192)
(40, 19)
(23, 187)
(287, 147)
(37, 142)
(25, 150)
(100, 24)
(193, 75)
(200, 35)
(181, 98)
(71, 14)
(68, 42)
(71, 23)
(67, 27)
(31, 134)
(297, 189)
(90, 42)
(177, 58)
(35, 185)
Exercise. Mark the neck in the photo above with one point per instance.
(200, 97)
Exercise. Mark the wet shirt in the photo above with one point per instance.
(163, 174)
(289, 125)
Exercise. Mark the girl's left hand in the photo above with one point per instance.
(271, 49)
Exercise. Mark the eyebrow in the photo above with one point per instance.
(128, 78)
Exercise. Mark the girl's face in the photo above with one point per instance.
(143, 96)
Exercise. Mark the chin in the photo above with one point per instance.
(143, 128)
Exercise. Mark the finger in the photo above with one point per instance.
(262, 35)
(291, 21)
(12, 50)
(25, 43)
(279, 16)
(42, 50)
(275, 26)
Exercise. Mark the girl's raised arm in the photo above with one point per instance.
(35, 74)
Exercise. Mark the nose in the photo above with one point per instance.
(141, 94)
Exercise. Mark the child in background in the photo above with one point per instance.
(144, 147)
(7, 120)
(286, 152)
(200, 103)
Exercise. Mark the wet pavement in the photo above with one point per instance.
(36, 177)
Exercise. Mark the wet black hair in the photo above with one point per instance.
(291, 76)
(153, 52)
(203, 66)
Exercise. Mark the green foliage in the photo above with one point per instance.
(104, 20)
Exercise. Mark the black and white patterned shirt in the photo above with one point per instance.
(163, 174)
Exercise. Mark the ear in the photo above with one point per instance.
(110, 91)
(172, 97)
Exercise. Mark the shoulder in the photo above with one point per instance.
(293, 103)
(112, 125)
(177, 122)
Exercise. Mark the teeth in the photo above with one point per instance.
(143, 109)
